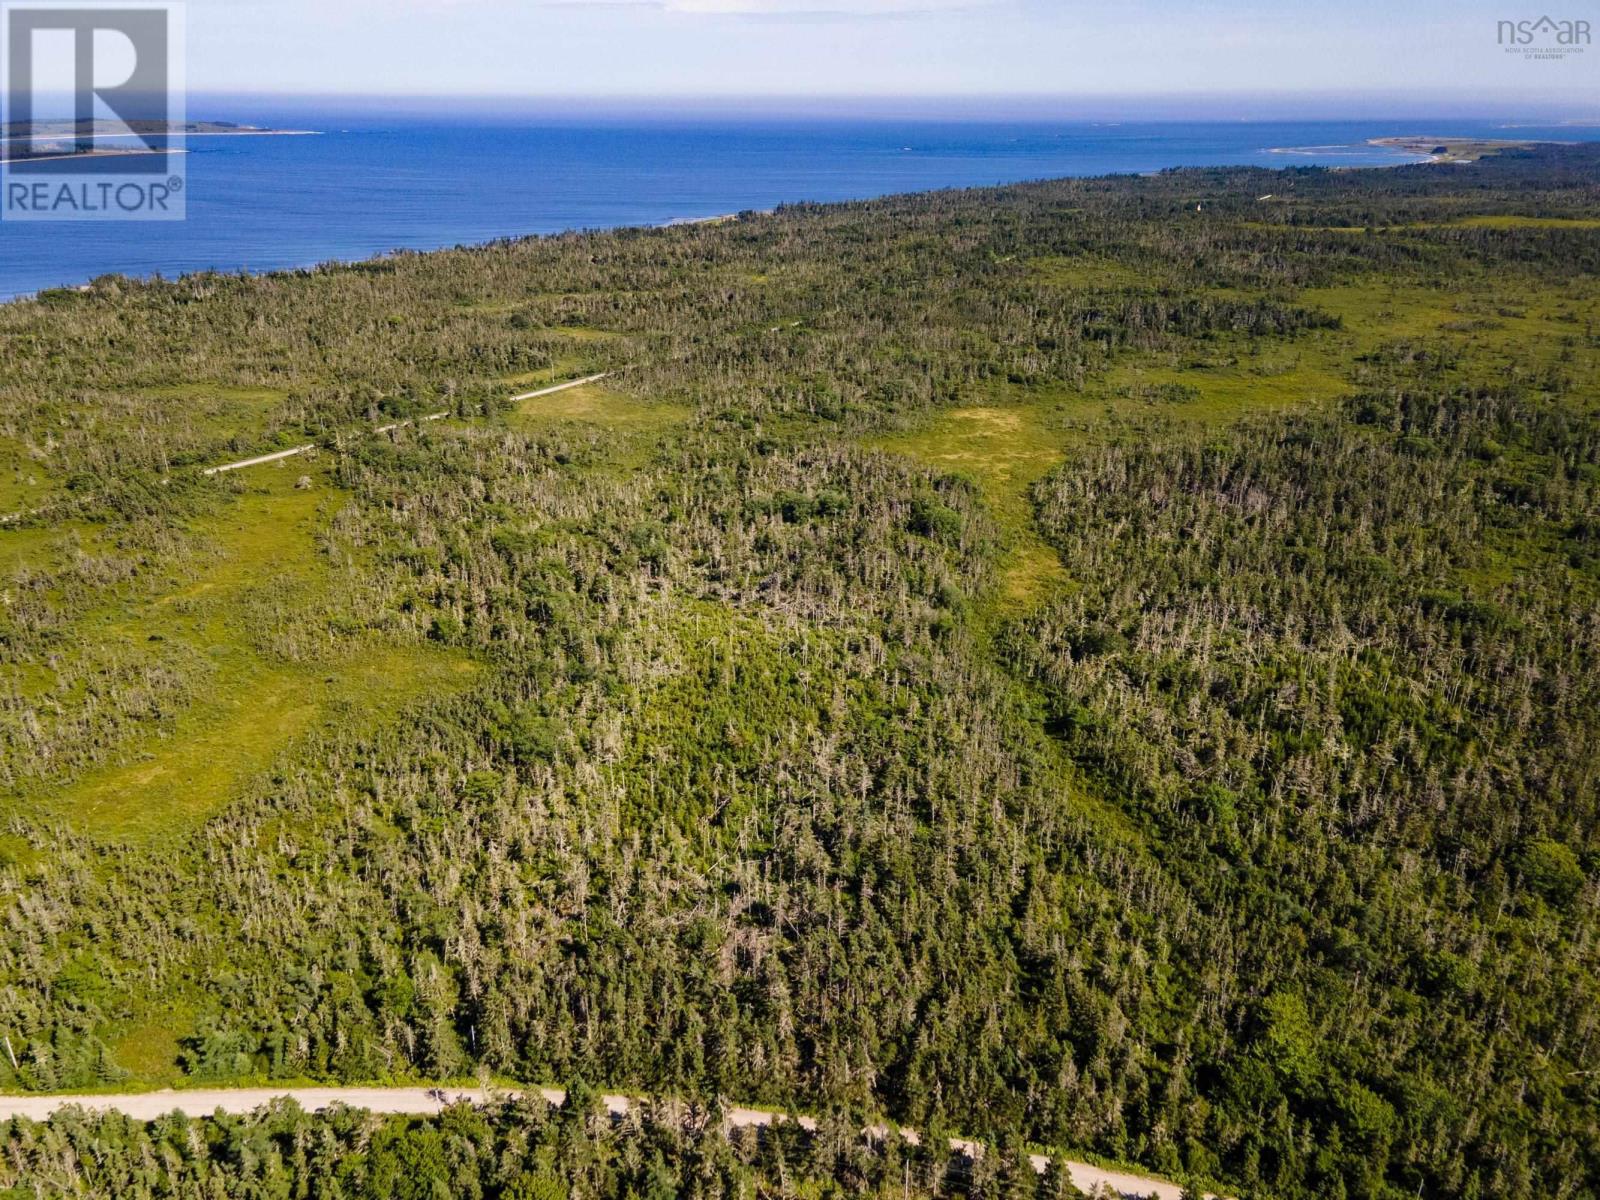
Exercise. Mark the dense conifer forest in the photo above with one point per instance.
(1101, 665)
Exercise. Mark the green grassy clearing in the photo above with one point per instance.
(24, 481)
(596, 404)
(1508, 329)
(1227, 384)
(1003, 450)
(236, 700)
(213, 409)
(583, 333)
(1517, 222)
(1385, 312)
(1087, 271)
(1006, 447)
(149, 1045)
(249, 717)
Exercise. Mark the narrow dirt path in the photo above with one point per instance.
(276, 456)
(561, 387)
(259, 459)
(12, 518)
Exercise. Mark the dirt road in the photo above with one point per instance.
(416, 1101)
(561, 387)
(260, 459)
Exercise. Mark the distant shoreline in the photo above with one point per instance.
(1418, 149)
(716, 219)
(1403, 157)
(87, 157)
(1452, 149)
(67, 136)
(56, 137)
(93, 154)
(506, 194)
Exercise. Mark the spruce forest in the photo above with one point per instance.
(1101, 666)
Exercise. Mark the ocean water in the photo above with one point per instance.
(371, 181)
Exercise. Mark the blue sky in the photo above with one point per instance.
(1078, 48)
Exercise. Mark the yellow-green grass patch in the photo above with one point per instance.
(583, 333)
(1030, 574)
(210, 627)
(213, 410)
(1514, 326)
(25, 483)
(1225, 386)
(149, 1044)
(216, 747)
(1377, 312)
(596, 404)
(1003, 450)
(39, 546)
(1087, 272)
(1510, 221)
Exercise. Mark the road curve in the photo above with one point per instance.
(416, 1101)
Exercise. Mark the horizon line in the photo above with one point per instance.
(1234, 105)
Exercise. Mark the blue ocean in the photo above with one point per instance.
(370, 180)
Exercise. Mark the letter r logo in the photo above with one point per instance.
(92, 95)
(139, 99)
